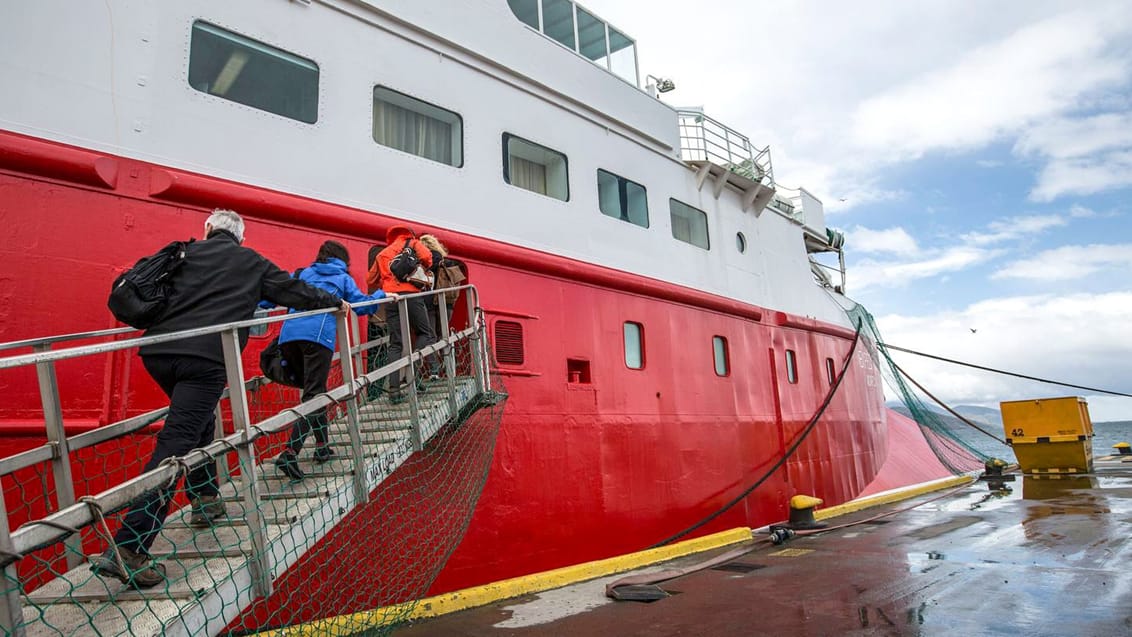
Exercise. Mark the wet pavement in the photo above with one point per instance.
(1050, 557)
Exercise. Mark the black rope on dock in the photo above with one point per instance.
(944, 405)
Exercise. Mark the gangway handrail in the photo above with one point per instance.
(113, 346)
(101, 348)
(51, 340)
(130, 425)
(60, 525)
(49, 530)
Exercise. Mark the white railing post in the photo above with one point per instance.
(61, 460)
(260, 564)
(478, 343)
(11, 607)
(410, 374)
(361, 493)
(449, 353)
(223, 472)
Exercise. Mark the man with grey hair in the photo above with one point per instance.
(227, 220)
(219, 282)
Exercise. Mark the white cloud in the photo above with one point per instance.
(1013, 228)
(1081, 212)
(871, 273)
(837, 106)
(1066, 137)
(1069, 262)
(1040, 70)
(1038, 336)
(891, 240)
(1084, 176)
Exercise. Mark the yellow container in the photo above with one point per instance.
(1050, 435)
(1056, 456)
(1030, 420)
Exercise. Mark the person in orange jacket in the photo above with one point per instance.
(399, 237)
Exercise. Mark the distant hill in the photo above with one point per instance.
(951, 422)
(962, 431)
(988, 415)
(985, 415)
(979, 414)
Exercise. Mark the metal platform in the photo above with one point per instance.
(1051, 557)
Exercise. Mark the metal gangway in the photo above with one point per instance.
(220, 571)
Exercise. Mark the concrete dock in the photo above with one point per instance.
(1051, 556)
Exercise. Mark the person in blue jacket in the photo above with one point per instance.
(308, 344)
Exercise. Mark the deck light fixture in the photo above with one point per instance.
(658, 85)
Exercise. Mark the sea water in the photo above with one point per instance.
(1106, 434)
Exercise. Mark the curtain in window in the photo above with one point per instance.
(412, 132)
(527, 174)
(682, 228)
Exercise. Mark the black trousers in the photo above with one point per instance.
(312, 364)
(420, 323)
(194, 386)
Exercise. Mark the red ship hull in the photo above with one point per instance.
(588, 448)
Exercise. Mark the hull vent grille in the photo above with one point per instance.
(508, 343)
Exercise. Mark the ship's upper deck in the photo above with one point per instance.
(457, 115)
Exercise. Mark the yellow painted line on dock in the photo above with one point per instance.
(505, 589)
(894, 495)
(514, 587)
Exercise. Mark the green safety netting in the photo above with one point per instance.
(953, 442)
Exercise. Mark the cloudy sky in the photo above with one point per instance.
(977, 155)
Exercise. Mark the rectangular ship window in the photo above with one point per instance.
(689, 224)
(592, 42)
(719, 350)
(830, 373)
(623, 56)
(412, 126)
(251, 73)
(558, 21)
(791, 367)
(536, 168)
(622, 199)
(634, 346)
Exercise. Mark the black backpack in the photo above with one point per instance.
(405, 263)
(274, 365)
(139, 295)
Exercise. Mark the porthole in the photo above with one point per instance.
(740, 242)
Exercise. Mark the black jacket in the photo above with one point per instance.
(222, 282)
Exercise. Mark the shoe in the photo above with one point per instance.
(141, 573)
(289, 465)
(323, 454)
(206, 509)
(396, 398)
